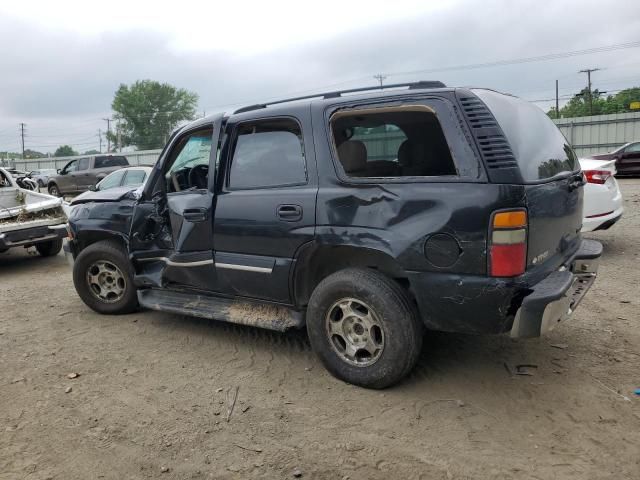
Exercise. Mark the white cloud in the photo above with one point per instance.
(243, 27)
(61, 62)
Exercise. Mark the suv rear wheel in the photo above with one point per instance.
(364, 328)
(103, 278)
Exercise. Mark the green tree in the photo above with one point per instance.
(579, 106)
(91, 152)
(148, 111)
(65, 151)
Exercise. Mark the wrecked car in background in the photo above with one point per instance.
(29, 218)
(364, 215)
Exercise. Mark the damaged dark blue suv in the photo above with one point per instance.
(364, 215)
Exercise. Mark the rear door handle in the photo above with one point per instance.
(194, 214)
(290, 213)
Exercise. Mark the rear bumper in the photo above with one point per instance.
(556, 297)
(486, 305)
(30, 236)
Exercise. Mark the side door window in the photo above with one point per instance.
(83, 164)
(189, 163)
(72, 166)
(269, 154)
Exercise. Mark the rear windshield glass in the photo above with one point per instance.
(104, 162)
(540, 148)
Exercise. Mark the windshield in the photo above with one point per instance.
(540, 148)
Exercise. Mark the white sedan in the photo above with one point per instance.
(602, 197)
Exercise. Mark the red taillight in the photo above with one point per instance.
(597, 176)
(508, 251)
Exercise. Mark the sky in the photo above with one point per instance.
(61, 62)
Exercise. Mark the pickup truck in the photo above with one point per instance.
(30, 218)
(82, 173)
(368, 216)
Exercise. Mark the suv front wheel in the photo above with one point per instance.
(364, 327)
(103, 278)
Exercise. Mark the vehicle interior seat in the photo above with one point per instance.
(353, 157)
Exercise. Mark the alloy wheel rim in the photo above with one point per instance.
(106, 281)
(355, 332)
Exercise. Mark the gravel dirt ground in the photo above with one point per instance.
(152, 394)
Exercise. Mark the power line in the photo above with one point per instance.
(498, 63)
(515, 61)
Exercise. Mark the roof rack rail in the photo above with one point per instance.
(339, 93)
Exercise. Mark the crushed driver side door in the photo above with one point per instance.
(171, 238)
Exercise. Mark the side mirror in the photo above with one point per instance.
(58, 171)
(93, 188)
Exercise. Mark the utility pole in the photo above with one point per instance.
(380, 79)
(557, 109)
(108, 120)
(118, 135)
(100, 139)
(22, 125)
(588, 72)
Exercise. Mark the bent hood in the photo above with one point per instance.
(110, 195)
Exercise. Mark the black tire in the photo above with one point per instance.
(49, 248)
(54, 190)
(395, 315)
(111, 253)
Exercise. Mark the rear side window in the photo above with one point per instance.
(104, 162)
(134, 177)
(267, 154)
(541, 150)
(391, 142)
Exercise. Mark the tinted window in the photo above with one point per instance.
(538, 145)
(72, 166)
(83, 164)
(391, 142)
(633, 148)
(111, 180)
(134, 177)
(104, 162)
(268, 154)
